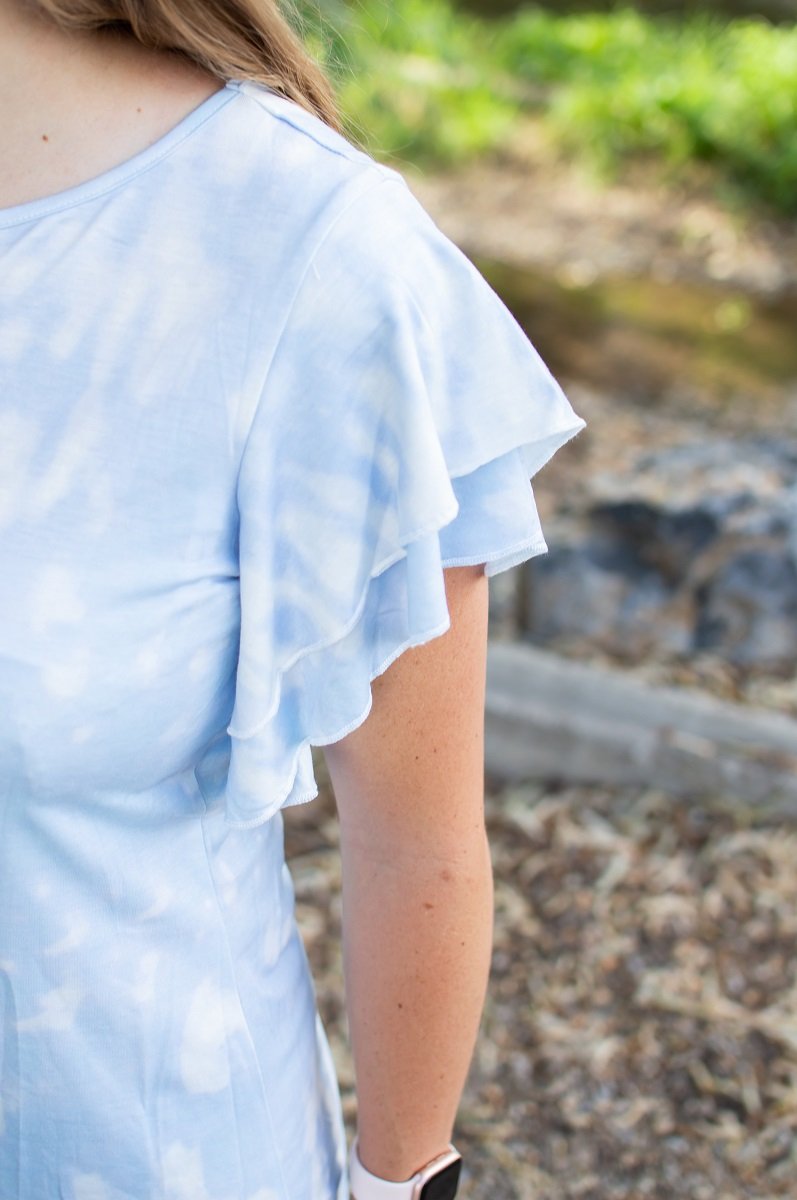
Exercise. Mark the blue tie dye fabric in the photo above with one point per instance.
(252, 403)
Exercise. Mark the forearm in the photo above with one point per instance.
(417, 939)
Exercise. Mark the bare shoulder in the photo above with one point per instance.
(416, 764)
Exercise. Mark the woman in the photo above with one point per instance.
(265, 433)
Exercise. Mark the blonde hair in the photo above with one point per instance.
(233, 39)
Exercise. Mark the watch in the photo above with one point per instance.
(437, 1180)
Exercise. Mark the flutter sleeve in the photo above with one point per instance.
(403, 417)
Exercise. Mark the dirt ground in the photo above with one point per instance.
(529, 205)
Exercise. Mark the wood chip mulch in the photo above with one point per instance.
(640, 1033)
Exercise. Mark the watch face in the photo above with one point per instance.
(443, 1186)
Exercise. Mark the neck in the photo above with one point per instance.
(42, 66)
(35, 53)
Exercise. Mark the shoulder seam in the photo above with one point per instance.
(354, 154)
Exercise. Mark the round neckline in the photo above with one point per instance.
(98, 185)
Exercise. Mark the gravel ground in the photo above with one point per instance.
(640, 1033)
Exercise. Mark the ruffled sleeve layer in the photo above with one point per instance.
(403, 417)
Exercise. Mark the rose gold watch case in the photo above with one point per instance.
(434, 1168)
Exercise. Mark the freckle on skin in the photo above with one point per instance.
(45, 137)
(445, 874)
(426, 904)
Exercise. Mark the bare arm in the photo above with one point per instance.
(417, 886)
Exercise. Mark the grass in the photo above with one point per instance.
(420, 81)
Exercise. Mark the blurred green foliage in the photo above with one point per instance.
(422, 81)
(620, 83)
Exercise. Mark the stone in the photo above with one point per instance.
(693, 548)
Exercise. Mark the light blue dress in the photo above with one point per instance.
(252, 401)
